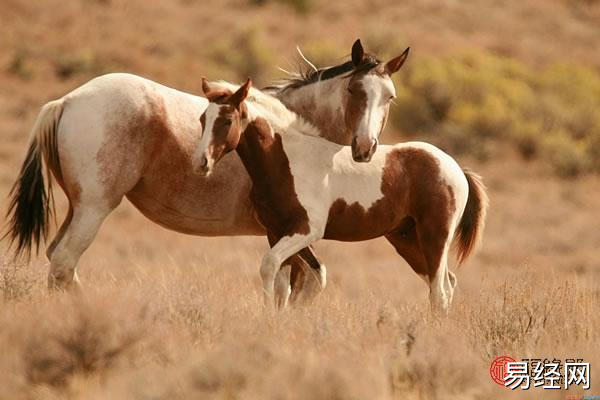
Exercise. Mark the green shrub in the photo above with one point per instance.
(478, 102)
(19, 64)
(300, 6)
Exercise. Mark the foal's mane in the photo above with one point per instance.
(305, 76)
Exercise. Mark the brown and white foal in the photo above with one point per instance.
(306, 189)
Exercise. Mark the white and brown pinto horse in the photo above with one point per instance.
(306, 189)
(121, 135)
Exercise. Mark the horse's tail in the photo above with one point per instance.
(470, 227)
(31, 203)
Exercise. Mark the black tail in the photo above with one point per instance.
(31, 202)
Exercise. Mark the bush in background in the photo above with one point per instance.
(478, 102)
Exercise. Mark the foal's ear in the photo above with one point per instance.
(205, 86)
(395, 63)
(240, 95)
(358, 53)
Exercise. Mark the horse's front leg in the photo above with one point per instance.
(284, 248)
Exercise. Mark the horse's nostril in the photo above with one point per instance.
(374, 147)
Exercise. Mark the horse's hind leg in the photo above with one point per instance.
(280, 252)
(425, 248)
(308, 276)
(301, 278)
(60, 233)
(76, 234)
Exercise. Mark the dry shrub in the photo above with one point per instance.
(528, 314)
(18, 281)
(441, 365)
(80, 335)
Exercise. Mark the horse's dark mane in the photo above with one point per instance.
(305, 77)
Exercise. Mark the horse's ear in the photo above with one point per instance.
(395, 63)
(205, 86)
(240, 95)
(358, 53)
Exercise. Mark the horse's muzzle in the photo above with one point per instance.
(361, 155)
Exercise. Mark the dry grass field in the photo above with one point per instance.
(168, 316)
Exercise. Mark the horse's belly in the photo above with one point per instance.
(353, 223)
(218, 205)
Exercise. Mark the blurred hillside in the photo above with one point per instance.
(482, 74)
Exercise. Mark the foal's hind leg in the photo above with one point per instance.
(296, 276)
(435, 240)
(301, 278)
(407, 245)
(281, 251)
(425, 248)
(74, 237)
(308, 276)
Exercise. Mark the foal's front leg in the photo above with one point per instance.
(281, 251)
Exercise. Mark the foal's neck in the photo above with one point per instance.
(261, 151)
(320, 103)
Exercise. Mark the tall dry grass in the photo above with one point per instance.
(191, 333)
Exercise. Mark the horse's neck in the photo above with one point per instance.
(321, 104)
(261, 151)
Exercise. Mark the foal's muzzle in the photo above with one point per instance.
(201, 167)
(363, 151)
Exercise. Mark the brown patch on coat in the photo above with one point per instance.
(414, 212)
(131, 145)
(330, 123)
(273, 191)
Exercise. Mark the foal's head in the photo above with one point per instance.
(222, 124)
(349, 103)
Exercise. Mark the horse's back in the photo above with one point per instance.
(123, 90)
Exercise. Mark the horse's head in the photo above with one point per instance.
(348, 103)
(369, 92)
(222, 125)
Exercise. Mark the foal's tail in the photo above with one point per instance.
(470, 227)
(31, 202)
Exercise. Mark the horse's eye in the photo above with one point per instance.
(350, 90)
